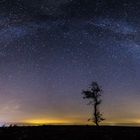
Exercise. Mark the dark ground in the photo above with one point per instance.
(69, 132)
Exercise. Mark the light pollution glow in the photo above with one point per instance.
(75, 122)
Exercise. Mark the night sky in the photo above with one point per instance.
(52, 49)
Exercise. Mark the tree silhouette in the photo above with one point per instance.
(93, 94)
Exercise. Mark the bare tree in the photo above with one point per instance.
(93, 94)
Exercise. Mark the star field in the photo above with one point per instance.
(50, 51)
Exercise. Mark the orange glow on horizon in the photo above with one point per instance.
(46, 121)
(55, 121)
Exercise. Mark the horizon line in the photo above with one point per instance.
(68, 124)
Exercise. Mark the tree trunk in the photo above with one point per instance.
(95, 114)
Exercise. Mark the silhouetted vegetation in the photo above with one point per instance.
(93, 94)
(69, 133)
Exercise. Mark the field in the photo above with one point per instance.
(69, 132)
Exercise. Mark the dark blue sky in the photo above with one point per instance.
(50, 51)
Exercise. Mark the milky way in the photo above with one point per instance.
(50, 51)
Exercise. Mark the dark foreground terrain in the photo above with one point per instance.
(69, 132)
